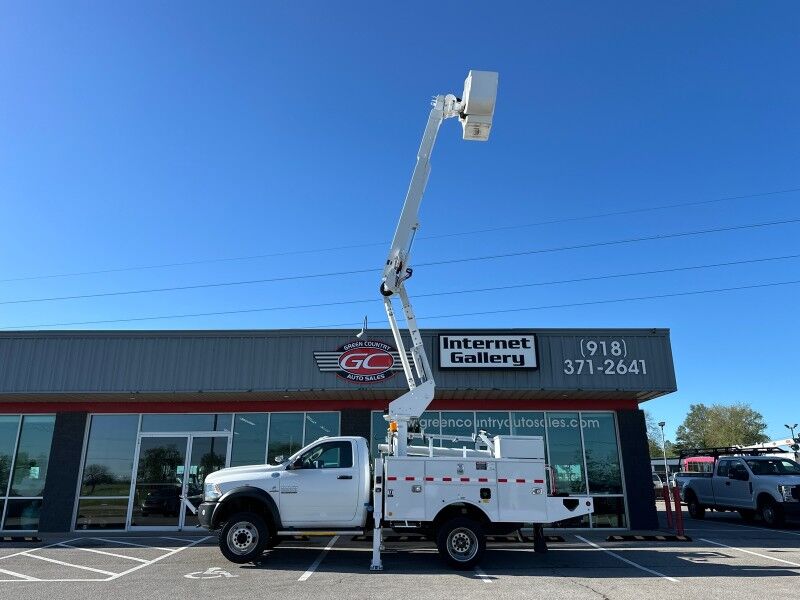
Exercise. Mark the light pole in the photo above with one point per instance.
(794, 440)
(664, 450)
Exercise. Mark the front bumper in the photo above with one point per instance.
(205, 514)
(791, 510)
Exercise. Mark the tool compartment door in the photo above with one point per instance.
(405, 489)
(517, 482)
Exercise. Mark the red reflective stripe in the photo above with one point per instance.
(409, 478)
(447, 479)
(502, 480)
(465, 479)
(483, 479)
(538, 481)
(520, 481)
(391, 479)
(429, 479)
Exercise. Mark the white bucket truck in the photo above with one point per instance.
(491, 485)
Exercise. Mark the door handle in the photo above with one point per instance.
(344, 477)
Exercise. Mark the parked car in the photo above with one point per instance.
(766, 486)
(658, 485)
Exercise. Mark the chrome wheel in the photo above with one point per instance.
(462, 544)
(242, 537)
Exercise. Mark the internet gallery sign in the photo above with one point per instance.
(487, 351)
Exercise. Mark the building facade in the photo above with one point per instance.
(116, 430)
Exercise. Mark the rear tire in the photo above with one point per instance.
(461, 543)
(244, 537)
(771, 513)
(696, 510)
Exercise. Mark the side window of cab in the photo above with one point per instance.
(327, 455)
(724, 468)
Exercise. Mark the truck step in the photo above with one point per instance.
(320, 533)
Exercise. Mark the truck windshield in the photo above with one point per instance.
(775, 466)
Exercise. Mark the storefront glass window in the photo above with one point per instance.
(157, 423)
(109, 455)
(493, 423)
(566, 456)
(22, 515)
(285, 435)
(457, 423)
(249, 439)
(32, 457)
(319, 425)
(108, 513)
(602, 453)
(609, 511)
(378, 433)
(8, 437)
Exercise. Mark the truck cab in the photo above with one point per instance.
(324, 485)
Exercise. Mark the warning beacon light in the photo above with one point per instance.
(480, 93)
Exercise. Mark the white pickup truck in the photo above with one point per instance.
(327, 489)
(766, 486)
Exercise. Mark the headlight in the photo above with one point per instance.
(786, 492)
(211, 492)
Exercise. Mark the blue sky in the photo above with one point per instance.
(136, 134)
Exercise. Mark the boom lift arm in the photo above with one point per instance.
(475, 111)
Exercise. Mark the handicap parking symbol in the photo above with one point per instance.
(210, 573)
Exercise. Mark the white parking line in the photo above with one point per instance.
(13, 574)
(317, 562)
(66, 564)
(32, 549)
(625, 560)
(765, 530)
(155, 560)
(788, 562)
(482, 575)
(129, 544)
(96, 551)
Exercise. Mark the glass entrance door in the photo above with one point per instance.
(170, 473)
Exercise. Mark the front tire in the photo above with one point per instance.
(461, 543)
(244, 537)
(771, 513)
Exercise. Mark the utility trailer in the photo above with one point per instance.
(491, 485)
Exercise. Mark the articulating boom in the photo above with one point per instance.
(475, 112)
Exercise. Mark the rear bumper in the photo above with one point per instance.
(205, 514)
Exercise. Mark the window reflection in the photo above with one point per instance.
(8, 437)
(169, 423)
(319, 425)
(33, 456)
(602, 453)
(566, 456)
(285, 435)
(109, 455)
(249, 439)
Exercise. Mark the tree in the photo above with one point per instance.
(721, 425)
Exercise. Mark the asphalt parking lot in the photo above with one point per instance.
(726, 559)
